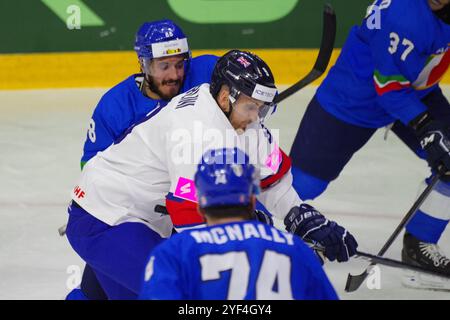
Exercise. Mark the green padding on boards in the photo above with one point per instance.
(232, 11)
(64, 9)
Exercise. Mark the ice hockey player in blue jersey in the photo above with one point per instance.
(234, 256)
(388, 72)
(167, 70)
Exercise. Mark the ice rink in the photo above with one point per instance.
(42, 134)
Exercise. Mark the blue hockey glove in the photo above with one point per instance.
(435, 140)
(312, 226)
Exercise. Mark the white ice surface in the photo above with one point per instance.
(41, 138)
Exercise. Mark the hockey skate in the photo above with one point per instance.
(428, 256)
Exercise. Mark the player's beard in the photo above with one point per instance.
(152, 86)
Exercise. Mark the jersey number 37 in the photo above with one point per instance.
(395, 40)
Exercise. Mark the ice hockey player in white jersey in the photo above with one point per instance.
(113, 225)
(167, 69)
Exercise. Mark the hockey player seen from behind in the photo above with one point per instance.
(234, 256)
(388, 72)
(112, 222)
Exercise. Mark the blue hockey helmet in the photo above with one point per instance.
(245, 72)
(161, 38)
(225, 177)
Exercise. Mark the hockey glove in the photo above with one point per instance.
(312, 226)
(434, 138)
(263, 217)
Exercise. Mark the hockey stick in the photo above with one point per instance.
(381, 260)
(359, 254)
(398, 264)
(326, 49)
(62, 230)
(355, 281)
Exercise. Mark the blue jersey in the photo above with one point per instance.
(240, 260)
(387, 65)
(124, 105)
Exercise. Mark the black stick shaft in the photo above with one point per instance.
(321, 64)
(410, 214)
(398, 264)
(355, 281)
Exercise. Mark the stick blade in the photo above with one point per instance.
(355, 281)
(62, 230)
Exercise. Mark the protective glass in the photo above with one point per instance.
(251, 108)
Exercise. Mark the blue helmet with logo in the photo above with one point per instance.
(161, 38)
(225, 177)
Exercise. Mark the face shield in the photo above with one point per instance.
(258, 106)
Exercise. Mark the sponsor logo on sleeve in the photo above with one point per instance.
(273, 161)
(186, 189)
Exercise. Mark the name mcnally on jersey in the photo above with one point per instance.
(226, 309)
(221, 235)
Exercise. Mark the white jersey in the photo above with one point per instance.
(159, 157)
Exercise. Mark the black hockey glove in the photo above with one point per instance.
(312, 226)
(434, 138)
